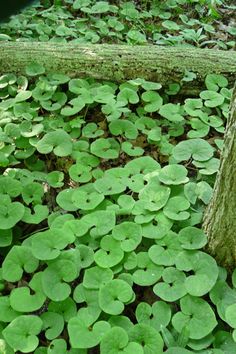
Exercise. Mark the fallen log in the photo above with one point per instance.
(119, 62)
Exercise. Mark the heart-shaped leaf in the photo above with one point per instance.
(83, 333)
(198, 149)
(105, 148)
(19, 259)
(148, 337)
(117, 339)
(173, 174)
(53, 324)
(21, 300)
(154, 100)
(172, 288)
(157, 315)
(194, 311)
(130, 235)
(109, 254)
(21, 333)
(57, 141)
(47, 244)
(148, 273)
(10, 212)
(114, 295)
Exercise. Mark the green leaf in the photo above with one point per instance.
(80, 173)
(168, 337)
(100, 7)
(55, 178)
(173, 174)
(114, 295)
(176, 207)
(234, 278)
(43, 91)
(56, 102)
(21, 333)
(144, 164)
(56, 276)
(109, 185)
(7, 313)
(171, 25)
(22, 96)
(166, 250)
(157, 315)
(84, 333)
(123, 127)
(21, 300)
(178, 350)
(198, 149)
(192, 238)
(33, 193)
(91, 130)
(64, 200)
(147, 273)
(66, 308)
(94, 277)
(109, 254)
(215, 81)
(10, 212)
(172, 288)
(194, 312)
(154, 100)
(53, 324)
(147, 337)
(96, 220)
(117, 339)
(10, 186)
(205, 271)
(191, 106)
(18, 259)
(74, 107)
(86, 255)
(85, 200)
(212, 98)
(208, 167)
(154, 195)
(127, 95)
(172, 112)
(46, 245)
(57, 141)
(230, 315)
(199, 129)
(105, 148)
(57, 346)
(155, 134)
(90, 298)
(129, 234)
(157, 228)
(131, 150)
(201, 190)
(40, 213)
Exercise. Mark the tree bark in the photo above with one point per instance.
(119, 62)
(220, 217)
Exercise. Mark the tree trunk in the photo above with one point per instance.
(220, 216)
(119, 62)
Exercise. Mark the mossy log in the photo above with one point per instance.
(220, 216)
(119, 62)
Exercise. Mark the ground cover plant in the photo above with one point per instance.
(103, 187)
(204, 23)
